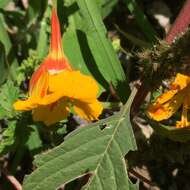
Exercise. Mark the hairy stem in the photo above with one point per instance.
(181, 23)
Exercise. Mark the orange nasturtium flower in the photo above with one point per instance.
(55, 87)
(169, 102)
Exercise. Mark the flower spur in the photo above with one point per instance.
(55, 88)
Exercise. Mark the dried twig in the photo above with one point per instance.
(135, 174)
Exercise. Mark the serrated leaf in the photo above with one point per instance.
(89, 50)
(89, 150)
(8, 93)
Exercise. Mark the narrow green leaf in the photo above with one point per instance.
(142, 20)
(43, 41)
(106, 6)
(4, 37)
(133, 39)
(36, 9)
(97, 149)
(3, 65)
(88, 48)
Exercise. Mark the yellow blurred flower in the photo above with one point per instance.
(55, 88)
(169, 102)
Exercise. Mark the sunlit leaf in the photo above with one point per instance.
(97, 149)
(8, 93)
(88, 48)
(42, 45)
(106, 6)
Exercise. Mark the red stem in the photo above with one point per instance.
(181, 23)
(15, 183)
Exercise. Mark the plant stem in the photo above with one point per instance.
(140, 177)
(15, 183)
(179, 26)
(181, 23)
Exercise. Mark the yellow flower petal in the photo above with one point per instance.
(180, 124)
(163, 111)
(25, 105)
(87, 111)
(74, 85)
(51, 113)
(165, 96)
(50, 98)
(181, 81)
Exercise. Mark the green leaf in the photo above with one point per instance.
(171, 132)
(36, 9)
(4, 37)
(8, 139)
(133, 39)
(10, 55)
(142, 20)
(18, 136)
(34, 141)
(8, 93)
(89, 50)
(43, 41)
(3, 65)
(97, 149)
(106, 6)
(4, 3)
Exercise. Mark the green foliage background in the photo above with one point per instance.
(99, 148)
